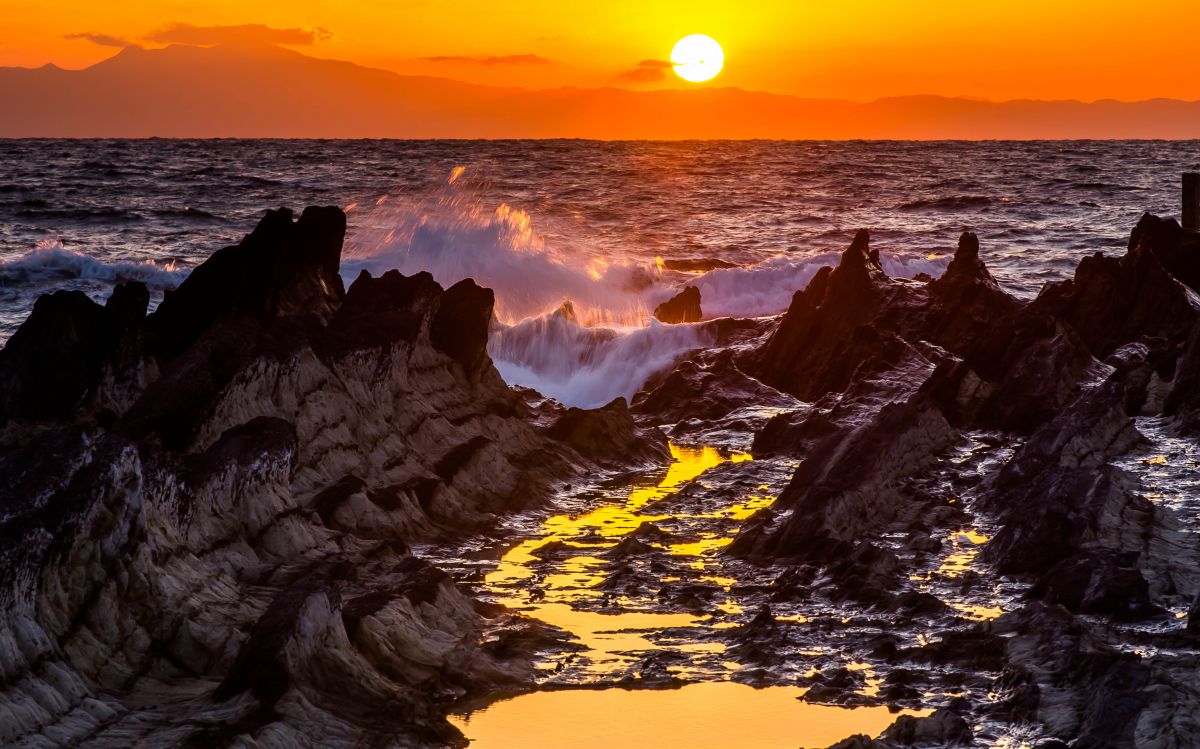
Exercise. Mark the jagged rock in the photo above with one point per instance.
(1183, 400)
(241, 516)
(58, 355)
(707, 390)
(943, 728)
(460, 326)
(681, 308)
(1114, 301)
(969, 313)
(381, 311)
(1095, 583)
(829, 321)
(609, 433)
(283, 268)
(848, 485)
(1057, 490)
(1176, 249)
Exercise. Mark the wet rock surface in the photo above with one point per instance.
(292, 513)
(206, 526)
(683, 307)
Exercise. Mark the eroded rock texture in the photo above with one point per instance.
(206, 514)
(909, 387)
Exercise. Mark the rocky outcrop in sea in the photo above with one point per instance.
(984, 502)
(208, 510)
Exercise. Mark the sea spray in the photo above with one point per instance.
(766, 288)
(587, 366)
(572, 322)
(453, 235)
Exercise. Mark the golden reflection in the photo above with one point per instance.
(964, 548)
(710, 715)
(588, 535)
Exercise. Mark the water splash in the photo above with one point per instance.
(451, 233)
(572, 320)
(587, 366)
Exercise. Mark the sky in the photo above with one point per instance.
(858, 50)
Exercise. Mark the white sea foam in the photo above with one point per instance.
(607, 345)
(766, 288)
(50, 261)
(587, 366)
(452, 237)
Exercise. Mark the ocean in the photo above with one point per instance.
(612, 227)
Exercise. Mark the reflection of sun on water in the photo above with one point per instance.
(706, 715)
(964, 548)
(712, 715)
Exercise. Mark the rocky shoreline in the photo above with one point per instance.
(207, 534)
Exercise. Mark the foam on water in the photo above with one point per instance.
(572, 321)
(49, 261)
(766, 288)
(451, 234)
(587, 366)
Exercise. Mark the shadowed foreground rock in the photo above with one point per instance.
(206, 513)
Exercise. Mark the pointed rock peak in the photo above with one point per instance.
(859, 254)
(967, 265)
(862, 241)
(968, 246)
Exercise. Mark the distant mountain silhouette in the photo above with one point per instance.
(264, 91)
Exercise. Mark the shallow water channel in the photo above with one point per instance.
(572, 573)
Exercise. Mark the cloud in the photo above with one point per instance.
(104, 40)
(525, 59)
(257, 33)
(648, 71)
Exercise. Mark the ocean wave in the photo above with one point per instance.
(101, 214)
(450, 235)
(766, 288)
(587, 366)
(50, 261)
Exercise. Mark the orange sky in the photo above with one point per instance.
(853, 50)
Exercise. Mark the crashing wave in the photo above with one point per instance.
(604, 343)
(49, 261)
(587, 366)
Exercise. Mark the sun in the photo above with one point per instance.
(697, 58)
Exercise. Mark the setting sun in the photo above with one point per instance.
(697, 58)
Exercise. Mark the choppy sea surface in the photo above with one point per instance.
(614, 227)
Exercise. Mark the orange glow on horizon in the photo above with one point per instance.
(1020, 49)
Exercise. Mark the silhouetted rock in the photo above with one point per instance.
(283, 268)
(460, 326)
(681, 308)
(609, 434)
(942, 728)
(57, 356)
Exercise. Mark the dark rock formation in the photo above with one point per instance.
(683, 307)
(207, 510)
(57, 356)
(609, 434)
(896, 378)
(708, 389)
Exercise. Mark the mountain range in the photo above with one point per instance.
(267, 91)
